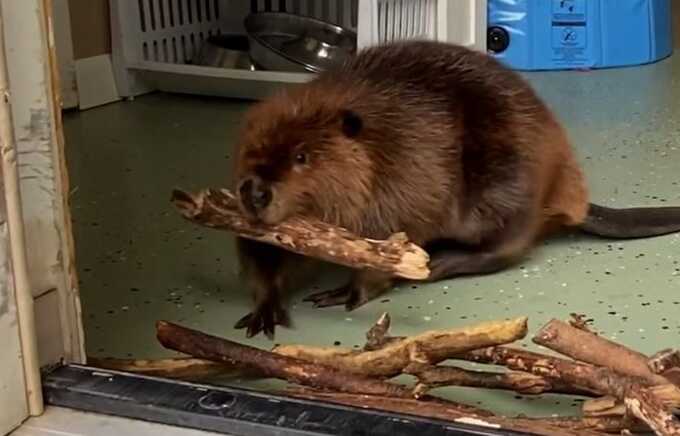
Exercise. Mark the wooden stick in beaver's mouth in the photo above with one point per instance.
(217, 208)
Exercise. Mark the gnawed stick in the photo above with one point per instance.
(183, 368)
(443, 410)
(390, 360)
(204, 346)
(587, 347)
(431, 377)
(218, 209)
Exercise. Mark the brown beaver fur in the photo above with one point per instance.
(427, 138)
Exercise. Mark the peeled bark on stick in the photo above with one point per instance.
(587, 347)
(433, 347)
(204, 346)
(218, 209)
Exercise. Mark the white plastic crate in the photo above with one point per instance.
(154, 39)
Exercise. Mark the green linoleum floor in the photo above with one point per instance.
(139, 262)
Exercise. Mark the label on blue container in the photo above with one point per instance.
(569, 32)
(569, 10)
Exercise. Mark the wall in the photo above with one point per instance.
(90, 28)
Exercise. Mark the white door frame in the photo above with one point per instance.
(34, 213)
(43, 177)
(20, 388)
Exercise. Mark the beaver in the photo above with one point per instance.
(428, 138)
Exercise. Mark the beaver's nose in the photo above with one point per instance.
(255, 194)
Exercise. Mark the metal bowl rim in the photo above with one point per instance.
(259, 40)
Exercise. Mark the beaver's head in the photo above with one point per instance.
(303, 156)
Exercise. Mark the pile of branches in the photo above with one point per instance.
(626, 390)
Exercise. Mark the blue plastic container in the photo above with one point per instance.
(576, 34)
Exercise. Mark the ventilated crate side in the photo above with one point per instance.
(381, 21)
(341, 12)
(153, 40)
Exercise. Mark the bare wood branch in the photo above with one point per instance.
(587, 347)
(218, 209)
(390, 360)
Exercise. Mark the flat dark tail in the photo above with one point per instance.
(636, 222)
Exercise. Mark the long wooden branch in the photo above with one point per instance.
(433, 347)
(184, 368)
(204, 346)
(218, 209)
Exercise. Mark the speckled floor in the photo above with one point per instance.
(139, 262)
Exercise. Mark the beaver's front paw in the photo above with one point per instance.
(264, 318)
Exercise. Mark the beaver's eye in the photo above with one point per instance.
(301, 158)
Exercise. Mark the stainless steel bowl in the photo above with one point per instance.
(286, 42)
(225, 51)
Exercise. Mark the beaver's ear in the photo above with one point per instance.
(351, 123)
